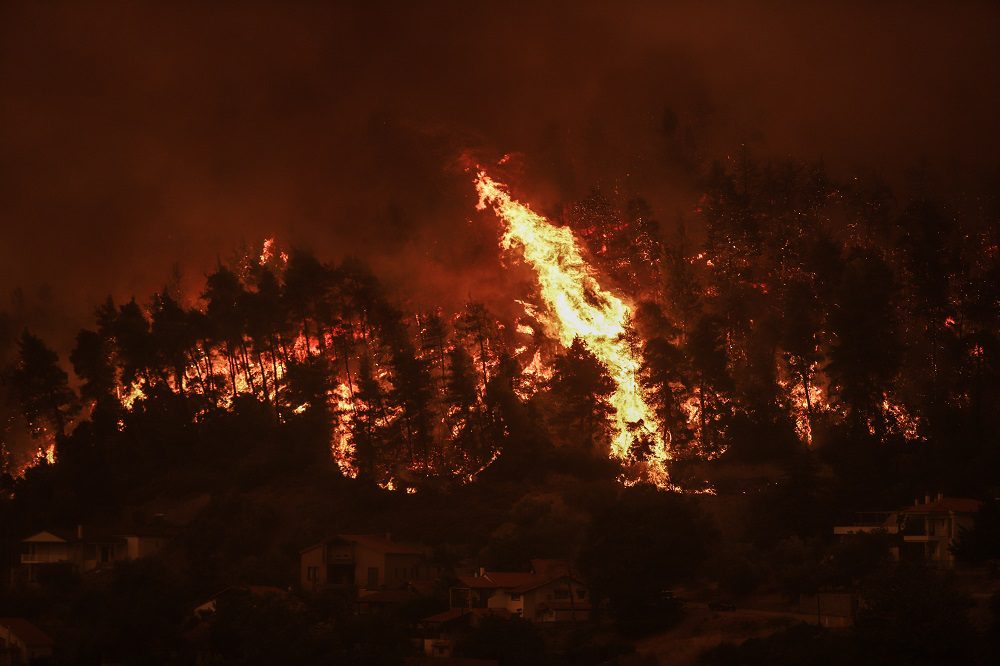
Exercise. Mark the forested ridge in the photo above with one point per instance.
(813, 347)
(787, 313)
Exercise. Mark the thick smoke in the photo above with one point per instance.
(135, 137)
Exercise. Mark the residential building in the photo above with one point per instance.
(550, 592)
(88, 548)
(363, 562)
(925, 531)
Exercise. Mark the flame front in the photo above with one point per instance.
(579, 307)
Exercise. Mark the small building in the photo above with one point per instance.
(550, 592)
(21, 642)
(88, 548)
(362, 562)
(925, 531)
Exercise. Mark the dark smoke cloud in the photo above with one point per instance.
(134, 136)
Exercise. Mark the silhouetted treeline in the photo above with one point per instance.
(788, 314)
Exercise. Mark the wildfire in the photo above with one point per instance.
(579, 307)
(900, 420)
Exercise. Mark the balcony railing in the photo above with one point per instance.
(38, 558)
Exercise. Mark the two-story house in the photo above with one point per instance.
(550, 592)
(925, 531)
(86, 548)
(363, 562)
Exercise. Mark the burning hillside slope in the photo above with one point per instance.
(579, 307)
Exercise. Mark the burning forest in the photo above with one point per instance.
(539, 335)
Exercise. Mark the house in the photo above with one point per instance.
(21, 642)
(550, 592)
(88, 548)
(362, 562)
(925, 531)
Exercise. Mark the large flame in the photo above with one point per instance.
(579, 307)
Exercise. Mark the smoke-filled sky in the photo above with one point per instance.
(135, 136)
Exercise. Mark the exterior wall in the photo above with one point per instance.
(141, 546)
(312, 568)
(353, 563)
(47, 553)
(365, 561)
(506, 600)
(402, 568)
(929, 537)
(563, 591)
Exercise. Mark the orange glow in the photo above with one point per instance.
(900, 420)
(267, 251)
(577, 306)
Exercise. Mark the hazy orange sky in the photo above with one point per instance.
(135, 136)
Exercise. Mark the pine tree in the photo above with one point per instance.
(41, 387)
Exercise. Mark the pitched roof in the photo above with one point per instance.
(543, 572)
(26, 632)
(506, 580)
(946, 505)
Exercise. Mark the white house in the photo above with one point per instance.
(925, 531)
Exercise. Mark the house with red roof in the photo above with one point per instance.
(21, 642)
(364, 562)
(924, 531)
(550, 592)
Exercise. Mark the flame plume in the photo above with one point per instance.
(579, 307)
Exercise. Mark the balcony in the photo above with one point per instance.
(42, 558)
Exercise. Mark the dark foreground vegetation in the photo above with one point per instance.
(814, 348)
